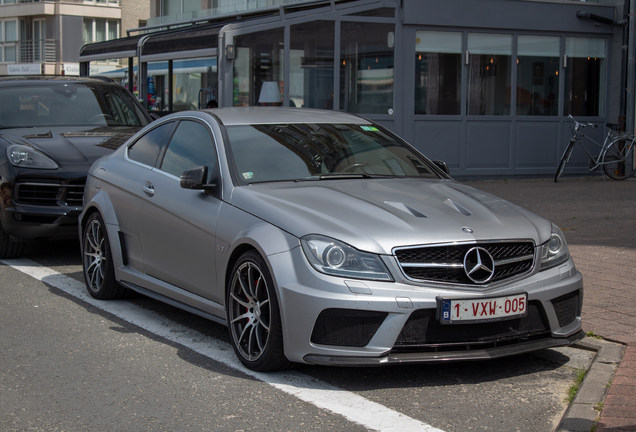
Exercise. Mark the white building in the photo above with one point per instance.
(44, 37)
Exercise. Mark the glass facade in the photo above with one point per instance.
(258, 69)
(584, 77)
(538, 75)
(311, 65)
(489, 74)
(367, 67)
(194, 84)
(438, 72)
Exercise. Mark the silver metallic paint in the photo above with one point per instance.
(271, 218)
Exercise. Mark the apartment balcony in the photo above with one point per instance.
(99, 2)
(22, 8)
(29, 51)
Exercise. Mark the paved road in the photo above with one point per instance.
(73, 364)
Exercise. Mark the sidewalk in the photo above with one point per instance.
(599, 221)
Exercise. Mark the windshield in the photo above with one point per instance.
(283, 152)
(67, 104)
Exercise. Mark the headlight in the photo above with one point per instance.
(26, 157)
(335, 258)
(555, 251)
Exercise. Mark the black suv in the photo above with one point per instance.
(52, 129)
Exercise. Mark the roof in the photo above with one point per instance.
(277, 115)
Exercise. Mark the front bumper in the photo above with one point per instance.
(386, 312)
(29, 222)
(35, 206)
(432, 357)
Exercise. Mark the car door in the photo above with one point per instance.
(126, 193)
(177, 226)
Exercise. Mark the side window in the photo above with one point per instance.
(191, 146)
(146, 149)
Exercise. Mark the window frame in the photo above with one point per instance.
(212, 173)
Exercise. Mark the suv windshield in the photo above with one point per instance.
(284, 152)
(68, 104)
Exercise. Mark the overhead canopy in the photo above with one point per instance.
(203, 37)
(116, 48)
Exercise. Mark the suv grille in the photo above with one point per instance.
(446, 263)
(49, 194)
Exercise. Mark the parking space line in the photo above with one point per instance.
(353, 407)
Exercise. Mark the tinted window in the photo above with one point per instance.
(146, 149)
(264, 153)
(69, 104)
(190, 147)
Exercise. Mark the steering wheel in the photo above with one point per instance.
(97, 117)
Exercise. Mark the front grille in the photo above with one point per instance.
(445, 263)
(49, 194)
(346, 327)
(423, 330)
(566, 308)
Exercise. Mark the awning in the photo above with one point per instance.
(197, 38)
(196, 41)
(117, 48)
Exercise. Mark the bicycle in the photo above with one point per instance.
(616, 155)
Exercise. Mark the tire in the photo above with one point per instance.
(564, 160)
(616, 159)
(8, 248)
(99, 272)
(253, 316)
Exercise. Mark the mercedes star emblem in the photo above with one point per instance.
(479, 265)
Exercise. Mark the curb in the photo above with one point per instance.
(583, 412)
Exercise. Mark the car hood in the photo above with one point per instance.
(71, 145)
(377, 215)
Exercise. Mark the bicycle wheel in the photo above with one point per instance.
(564, 160)
(618, 161)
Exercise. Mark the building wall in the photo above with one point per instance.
(71, 38)
(134, 13)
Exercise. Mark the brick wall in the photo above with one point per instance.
(132, 11)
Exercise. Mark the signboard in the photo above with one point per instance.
(72, 69)
(24, 69)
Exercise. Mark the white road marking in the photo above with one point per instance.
(353, 407)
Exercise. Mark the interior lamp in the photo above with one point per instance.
(270, 93)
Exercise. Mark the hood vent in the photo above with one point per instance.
(452, 204)
(406, 209)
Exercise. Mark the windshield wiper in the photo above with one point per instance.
(336, 176)
(343, 176)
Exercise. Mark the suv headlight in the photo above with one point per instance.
(27, 157)
(335, 258)
(555, 251)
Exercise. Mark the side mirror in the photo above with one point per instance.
(196, 179)
(442, 166)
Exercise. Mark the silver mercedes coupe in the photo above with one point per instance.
(320, 237)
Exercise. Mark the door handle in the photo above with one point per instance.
(149, 189)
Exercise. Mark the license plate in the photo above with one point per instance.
(460, 311)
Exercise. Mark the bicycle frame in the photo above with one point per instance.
(610, 139)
